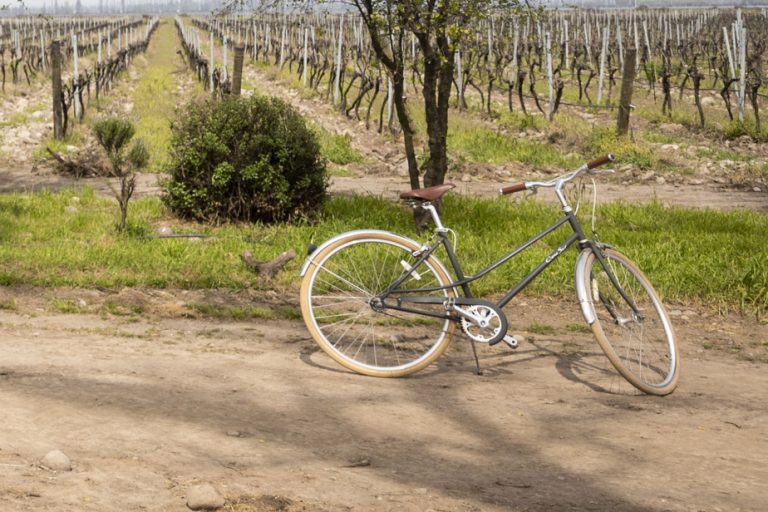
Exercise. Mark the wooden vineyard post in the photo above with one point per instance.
(603, 53)
(225, 63)
(304, 59)
(210, 67)
(742, 70)
(627, 82)
(282, 44)
(237, 74)
(58, 132)
(550, 78)
(76, 71)
(459, 78)
(565, 41)
(337, 81)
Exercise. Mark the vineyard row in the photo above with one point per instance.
(522, 57)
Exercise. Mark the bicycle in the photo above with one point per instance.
(383, 305)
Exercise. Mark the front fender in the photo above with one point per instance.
(582, 292)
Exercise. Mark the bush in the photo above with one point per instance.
(244, 159)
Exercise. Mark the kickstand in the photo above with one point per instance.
(478, 370)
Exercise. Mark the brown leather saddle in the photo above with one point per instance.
(429, 193)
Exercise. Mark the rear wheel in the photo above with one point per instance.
(341, 306)
(640, 343)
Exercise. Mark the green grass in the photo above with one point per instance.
(9, 304)
(542, 329)
(485, 145)
(474, 140)
(583, 328)
(736, 128)
(341, 172)
(116, 309)
(723, 154)
(605, 140)
(72, 138)
(663, 138)
(15, 120)
(66, 306)
(245, 312)
(718, 258)
(337, 148)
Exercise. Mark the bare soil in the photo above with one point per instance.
(148, 405)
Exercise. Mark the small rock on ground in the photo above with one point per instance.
(204, 497)
(57, 461)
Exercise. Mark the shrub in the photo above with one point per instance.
(113, 135)
(244, 159)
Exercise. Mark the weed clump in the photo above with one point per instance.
(244, 159)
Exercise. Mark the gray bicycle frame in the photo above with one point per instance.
(463, 281)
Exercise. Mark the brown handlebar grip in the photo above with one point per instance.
(601, 161)
(518, 187)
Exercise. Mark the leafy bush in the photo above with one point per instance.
(244, 159)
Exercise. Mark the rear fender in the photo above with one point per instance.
(346, 234)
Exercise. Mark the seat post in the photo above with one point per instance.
(439, 228)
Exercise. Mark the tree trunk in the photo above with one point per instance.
(437, 89)
(398, 87)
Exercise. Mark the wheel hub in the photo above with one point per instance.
(376, 303)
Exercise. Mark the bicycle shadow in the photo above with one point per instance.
(590, 368)
(492, 364)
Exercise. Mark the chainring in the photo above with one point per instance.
(493, 332)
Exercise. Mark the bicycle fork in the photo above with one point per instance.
(587, 297)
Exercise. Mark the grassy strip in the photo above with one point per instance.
(156, 96)
(68, 239)
(155, 99)
(337, 148)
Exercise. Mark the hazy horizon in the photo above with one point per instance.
(93, 6)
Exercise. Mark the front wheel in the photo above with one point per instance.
(349, 315)
(632, 327)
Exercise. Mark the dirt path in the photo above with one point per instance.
(148, 406)
(695, 196)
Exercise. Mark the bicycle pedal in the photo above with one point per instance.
(511, 341)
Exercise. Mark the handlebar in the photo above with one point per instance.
(558, 182)
(517, 187)
(597, 162)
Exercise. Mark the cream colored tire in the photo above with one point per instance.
(642, 348)
(338, 293)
